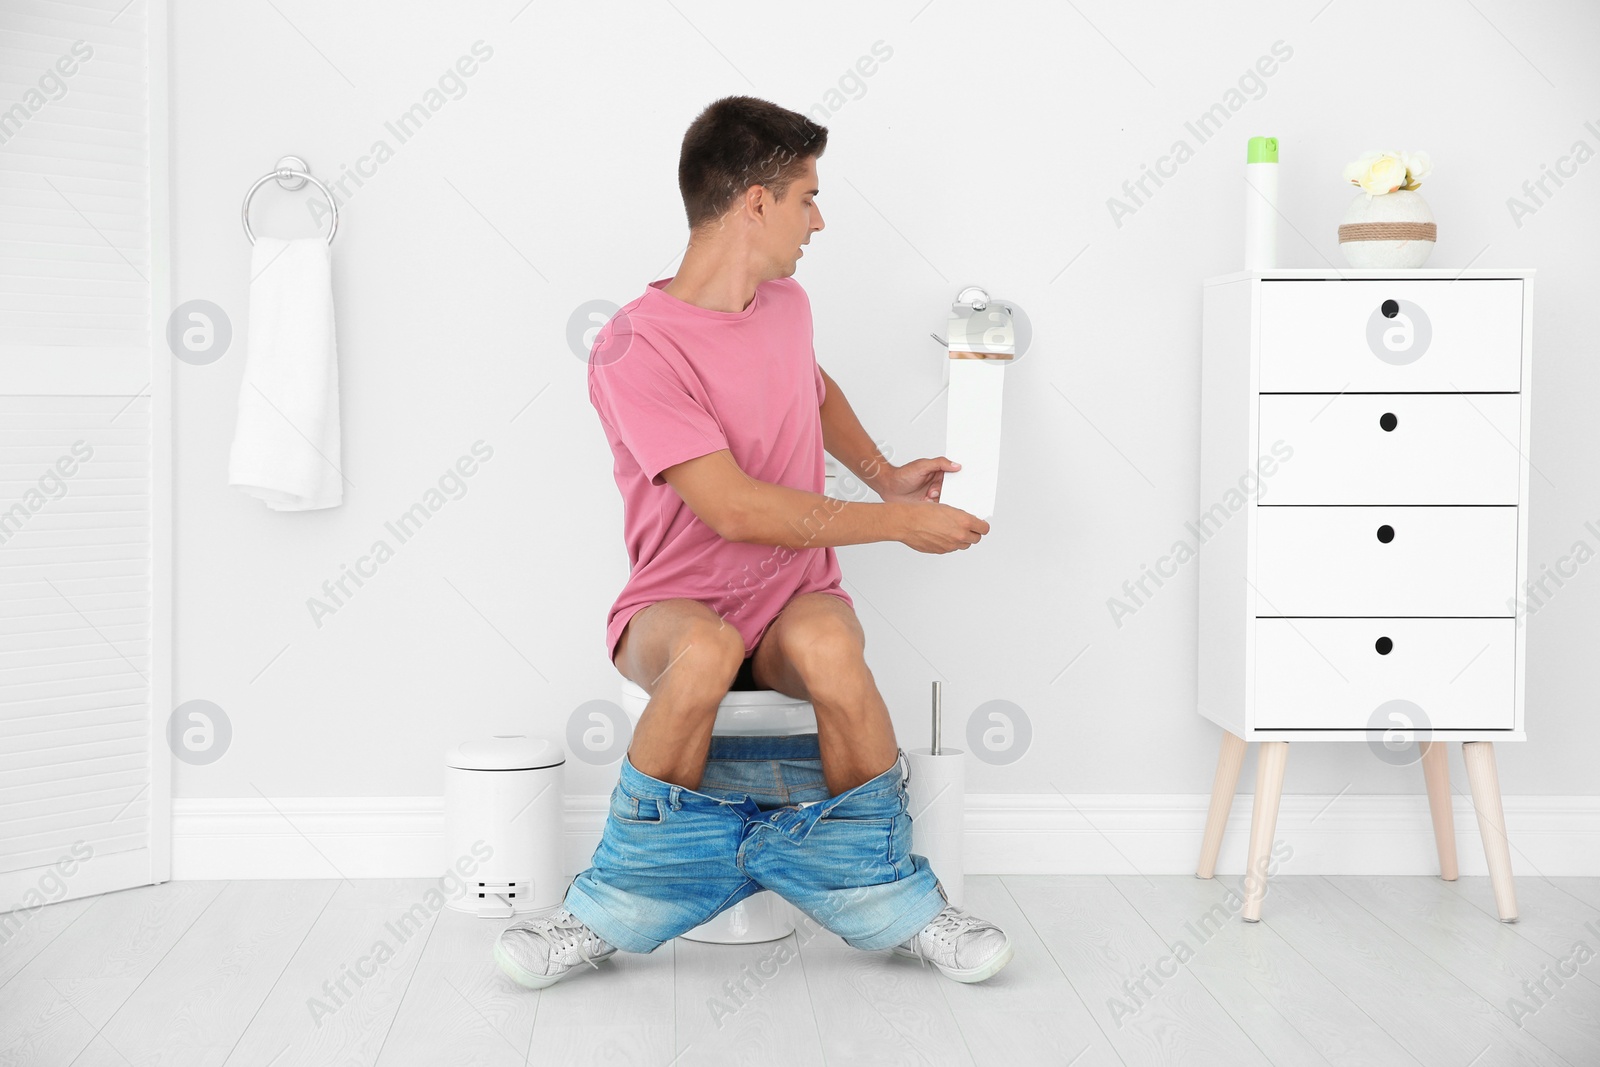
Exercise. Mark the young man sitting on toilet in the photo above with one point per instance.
(709, 392)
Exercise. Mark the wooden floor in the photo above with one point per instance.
(1108, 970)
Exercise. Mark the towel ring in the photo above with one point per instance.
(291, 173)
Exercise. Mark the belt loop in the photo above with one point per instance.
(673, 795)
(905, 773)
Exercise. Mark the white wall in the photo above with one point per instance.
(983, 151)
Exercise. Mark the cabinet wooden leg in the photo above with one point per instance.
(1271, 757)
(1485, 782)
(1223, 788)
(1436, 771)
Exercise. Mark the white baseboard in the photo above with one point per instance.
(1006, 833)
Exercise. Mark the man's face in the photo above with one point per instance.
(794, 220)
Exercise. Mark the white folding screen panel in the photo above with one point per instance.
(85, 446)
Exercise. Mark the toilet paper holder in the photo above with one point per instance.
(977, 330)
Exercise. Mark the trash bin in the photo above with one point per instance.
(503, 820)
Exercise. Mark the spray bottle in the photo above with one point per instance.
(1261, 204)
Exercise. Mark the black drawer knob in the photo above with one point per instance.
(1386, 533)
(1384, 646)
(1388, 421)
(1391, 308)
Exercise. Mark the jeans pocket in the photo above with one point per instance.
(883, 806)
(625, 807)
(857, 839)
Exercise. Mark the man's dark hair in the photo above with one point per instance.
(737, 142)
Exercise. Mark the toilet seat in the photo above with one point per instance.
(749, 712)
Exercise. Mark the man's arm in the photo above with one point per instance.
(741, 508)
(842, 435)
(846, 439)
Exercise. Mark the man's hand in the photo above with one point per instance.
(941, 528)
(916, 482)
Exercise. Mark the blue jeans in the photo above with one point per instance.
(671, 858)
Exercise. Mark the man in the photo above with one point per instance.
(717, 415)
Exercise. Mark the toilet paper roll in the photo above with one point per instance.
(972, 435)
(937, 802)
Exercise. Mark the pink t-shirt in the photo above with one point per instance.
(672, 381)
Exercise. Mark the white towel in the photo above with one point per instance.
(286, 443)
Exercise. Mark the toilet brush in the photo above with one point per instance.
(936, 795)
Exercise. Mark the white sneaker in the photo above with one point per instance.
(964, 947)
(539, 952)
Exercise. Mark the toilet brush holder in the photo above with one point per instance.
(936, 795)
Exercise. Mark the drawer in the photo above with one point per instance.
(1321, 561)
(1329, 674)
(1443, 336)
(1393, 448)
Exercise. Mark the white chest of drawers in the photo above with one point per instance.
(1364, 502)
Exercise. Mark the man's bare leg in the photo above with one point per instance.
(685, 656)
(813, 650)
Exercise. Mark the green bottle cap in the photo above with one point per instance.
(1262, 150)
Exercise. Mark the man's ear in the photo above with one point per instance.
(759, 199)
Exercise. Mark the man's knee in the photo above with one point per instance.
(705, 654)
(824, 647)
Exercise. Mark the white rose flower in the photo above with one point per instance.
(1355, 169)
(1377, 172)
(1418, 166)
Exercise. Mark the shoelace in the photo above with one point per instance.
(563, 931)
(950, 923)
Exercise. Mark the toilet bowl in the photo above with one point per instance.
(762, 916)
